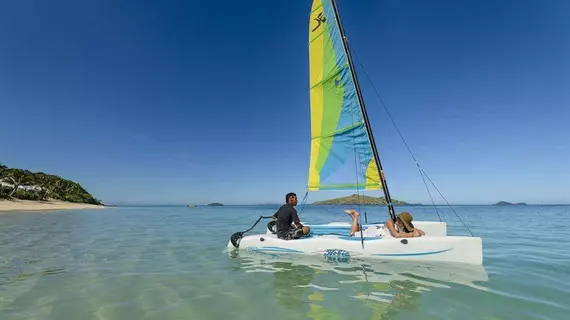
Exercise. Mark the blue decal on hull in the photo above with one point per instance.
(357, 238)
(337, 255)
(336, 252)
(273, 249)
(410, 254)
(343, 231)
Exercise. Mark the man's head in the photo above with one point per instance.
(291, 198)
(404, 220)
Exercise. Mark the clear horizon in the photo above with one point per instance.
(439, 205)
(199, 102)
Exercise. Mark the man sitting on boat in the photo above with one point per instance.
(286, 215)
(402, 228)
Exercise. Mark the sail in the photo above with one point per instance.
(341, 152)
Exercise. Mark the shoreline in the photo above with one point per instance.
(30, 205)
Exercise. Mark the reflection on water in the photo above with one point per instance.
(289, 283)
(373, 289)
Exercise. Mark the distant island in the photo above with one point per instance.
(20, 184)
(356, 199)
(505, 203)
(215, 204)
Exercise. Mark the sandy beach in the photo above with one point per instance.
(26, 205)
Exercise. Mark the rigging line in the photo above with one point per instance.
(399, 132)
(303, 202)
(429, 192)
(466, 227)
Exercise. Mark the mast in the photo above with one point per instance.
(365, 115)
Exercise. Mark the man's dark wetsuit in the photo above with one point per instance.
(285, 216)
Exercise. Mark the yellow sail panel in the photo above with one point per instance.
(372, 176)
(316, 76)
(341, 152)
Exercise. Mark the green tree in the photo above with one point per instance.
(3, 175)
(18, 177)
(45, 183)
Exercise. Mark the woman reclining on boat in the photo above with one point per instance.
(402, 228)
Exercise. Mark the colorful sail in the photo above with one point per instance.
(341, 153)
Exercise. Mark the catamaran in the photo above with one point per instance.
(342, 144)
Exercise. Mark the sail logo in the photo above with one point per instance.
(320, 19)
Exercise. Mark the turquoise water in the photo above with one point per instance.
(172, 263)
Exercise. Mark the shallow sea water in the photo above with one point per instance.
(172, 263)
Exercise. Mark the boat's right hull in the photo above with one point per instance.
(428, 248)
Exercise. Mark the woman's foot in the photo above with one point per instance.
(352, 213)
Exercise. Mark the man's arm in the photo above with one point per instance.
(296, 220)
(274, 216)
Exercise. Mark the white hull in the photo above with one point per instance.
(332, 241)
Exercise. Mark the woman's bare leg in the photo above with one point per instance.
(355, 226)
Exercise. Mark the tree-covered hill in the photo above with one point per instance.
(27, 185)
(358, 199)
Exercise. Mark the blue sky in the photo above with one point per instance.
(200, 101)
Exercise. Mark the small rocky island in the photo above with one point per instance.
(356, 199)
(215, 204)
(505, 203)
